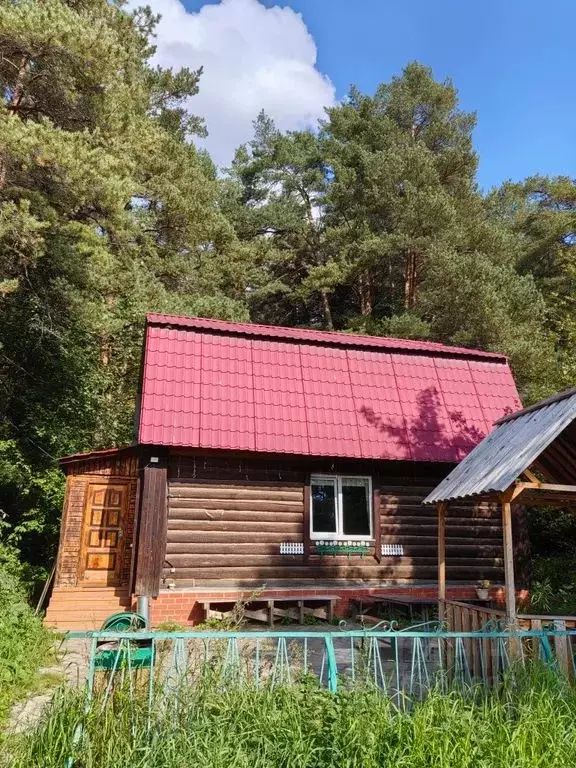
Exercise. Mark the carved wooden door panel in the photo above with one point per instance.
(102, 535)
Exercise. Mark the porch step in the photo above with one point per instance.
(83, 609)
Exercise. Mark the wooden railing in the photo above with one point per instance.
(536, 621)
(464, 617)
(486, 655)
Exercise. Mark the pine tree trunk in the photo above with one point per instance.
(18, 93)
(327, 311)
(13, 107)
(410, 280)
(365, 291)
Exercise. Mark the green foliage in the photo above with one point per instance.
(106, 212)
(373, 223)
(553, 588)
(529, 721)
(24, 643)
(376, 225)
(541, 215)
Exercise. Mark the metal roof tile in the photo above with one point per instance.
(241, 387)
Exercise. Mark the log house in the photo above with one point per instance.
(287, 462)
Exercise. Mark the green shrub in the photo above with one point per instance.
(24, 643)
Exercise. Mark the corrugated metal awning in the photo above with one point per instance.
(512, 447)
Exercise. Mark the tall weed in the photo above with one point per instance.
(529, 721)
(24, 643)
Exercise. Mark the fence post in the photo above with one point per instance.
(562, 648)
(331, 662)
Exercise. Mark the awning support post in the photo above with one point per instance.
(441, 559)
(508, 562)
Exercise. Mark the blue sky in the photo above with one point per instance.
(513, 63)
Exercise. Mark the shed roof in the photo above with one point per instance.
(541, 435)
(236, 386)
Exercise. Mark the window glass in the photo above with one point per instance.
(355, 507)
(323, 506)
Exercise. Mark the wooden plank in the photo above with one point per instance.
(509, 563)
(235, 493)
(441, 558)
(187, 530)
(216, 560)
(377, 517)
(530, 476)
(234, 526)
(306, 518)
(469, 642)
(562, 649)
(152, 528)
(248, 505)
(429, 563)
(350, 570)
(428, 526)
(234, 513)
(190, 535)
(205, 515)
(475, 627)
(457, 516)
(535, 625)
(557, 488)
(219, 482)
(230, 548)
(134, 542)
(258, 614)
(242, 475)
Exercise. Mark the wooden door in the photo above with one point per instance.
(103, 536)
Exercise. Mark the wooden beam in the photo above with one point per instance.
(514, 491)
(152, 526)
(557, 488)
(508, 561)
(441, 558)
(376, 518)
(545, 490)
(307, 518)
(530, 476)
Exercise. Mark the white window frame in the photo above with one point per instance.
(339, 534)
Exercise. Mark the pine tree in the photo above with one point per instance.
(106, 211)
(377, 225)
(274, 197)
(540, 213)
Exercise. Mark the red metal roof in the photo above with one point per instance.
(235, 386)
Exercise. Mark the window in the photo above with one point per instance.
(341, 507)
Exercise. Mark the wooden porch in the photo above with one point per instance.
(528, 460)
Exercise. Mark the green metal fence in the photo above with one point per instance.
(400, 663)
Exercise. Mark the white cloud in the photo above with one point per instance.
(253, 57)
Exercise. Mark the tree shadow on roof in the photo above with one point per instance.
(434, 434)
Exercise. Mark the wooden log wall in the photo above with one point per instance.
(228, 516)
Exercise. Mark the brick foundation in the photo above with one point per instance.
(185, 606)
(84, 609)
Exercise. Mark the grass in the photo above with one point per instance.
(24, 643)
(528, 722)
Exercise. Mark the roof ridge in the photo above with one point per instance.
(310, 335)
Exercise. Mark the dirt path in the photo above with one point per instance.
(71, 668)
